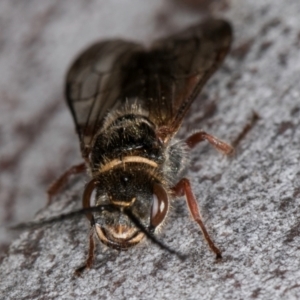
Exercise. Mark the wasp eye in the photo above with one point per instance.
(160, 205)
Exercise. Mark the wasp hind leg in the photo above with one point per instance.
(183, 187)
(200, 136)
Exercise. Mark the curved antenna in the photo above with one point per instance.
(150, 235)
(63, 217)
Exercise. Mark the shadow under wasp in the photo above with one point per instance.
(128, 103)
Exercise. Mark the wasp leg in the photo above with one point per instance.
(86, 204)
(61, 181)
(254, 119)
(183, 187)
(200, 136)
(90, 257)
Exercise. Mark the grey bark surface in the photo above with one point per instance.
(249, 203)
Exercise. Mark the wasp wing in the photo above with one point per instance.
(193, 56)
(93, 86)
(163, 81)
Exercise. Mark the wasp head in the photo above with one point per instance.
(136, 202)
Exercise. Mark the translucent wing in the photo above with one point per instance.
(93, 86)
(195, 54)
(163, 81)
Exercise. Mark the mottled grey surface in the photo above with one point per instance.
(249, 202)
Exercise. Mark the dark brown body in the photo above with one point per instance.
(128, 104)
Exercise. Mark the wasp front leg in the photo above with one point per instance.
(200, 136)
(183, 187)
(57, 185)
(86, 203)
(90, 257)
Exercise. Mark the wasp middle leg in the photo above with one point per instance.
(57, 185)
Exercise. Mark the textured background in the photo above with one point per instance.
(249, 202)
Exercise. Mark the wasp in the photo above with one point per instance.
(128, 102)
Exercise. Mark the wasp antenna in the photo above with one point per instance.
(151, 237)
(62, 217)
